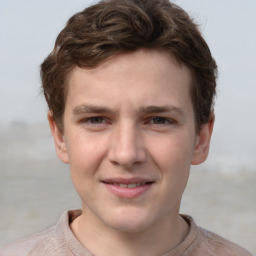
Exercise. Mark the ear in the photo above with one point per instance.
(202, 144)
(59, 140)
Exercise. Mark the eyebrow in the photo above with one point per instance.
(145, 110)
(91, 109)
(160, 109)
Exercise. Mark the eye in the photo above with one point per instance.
(95, 123)
(161, 121)
(95, 120)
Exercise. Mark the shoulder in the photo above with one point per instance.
(33, 245)
(201, 242)
(214, 244)
(56, 240)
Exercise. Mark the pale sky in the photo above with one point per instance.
(28, 30)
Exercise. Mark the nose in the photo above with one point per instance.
(127, 147)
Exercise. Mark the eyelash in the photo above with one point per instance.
(167, 121)
(90, 119)
(163, 120)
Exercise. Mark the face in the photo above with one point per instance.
(129, 137)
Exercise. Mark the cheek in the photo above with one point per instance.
(85, 156)
(170, 151)
(173, 156)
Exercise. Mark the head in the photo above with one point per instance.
(130, 86)
(113, 27)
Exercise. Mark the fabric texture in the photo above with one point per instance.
(60, 241)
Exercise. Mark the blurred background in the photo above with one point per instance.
(35, 187)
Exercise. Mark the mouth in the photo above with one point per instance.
(128, 185)
(128, 189)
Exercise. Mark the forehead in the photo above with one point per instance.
(143, 75)
(133, 63)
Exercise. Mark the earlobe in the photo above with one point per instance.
(202, 144)
(59, 139)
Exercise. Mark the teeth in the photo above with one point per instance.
(132, 185)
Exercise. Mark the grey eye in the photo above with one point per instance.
(96, 120)
(159, 120)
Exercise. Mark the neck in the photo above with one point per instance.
(163, 236)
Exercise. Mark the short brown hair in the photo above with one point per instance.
(112, 27)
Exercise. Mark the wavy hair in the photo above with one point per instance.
(112, 27)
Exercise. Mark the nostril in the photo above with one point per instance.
(114, 163)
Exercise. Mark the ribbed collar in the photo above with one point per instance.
(68, 242)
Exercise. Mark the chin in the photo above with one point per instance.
(128, 220)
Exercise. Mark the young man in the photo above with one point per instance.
(130, 87)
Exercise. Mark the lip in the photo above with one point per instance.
(121, 180)
(126, 192)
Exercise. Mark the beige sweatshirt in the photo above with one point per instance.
(60, 241)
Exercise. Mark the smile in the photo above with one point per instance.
(127, 190)
(131, 185)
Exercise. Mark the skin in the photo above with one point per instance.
(131, 117)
